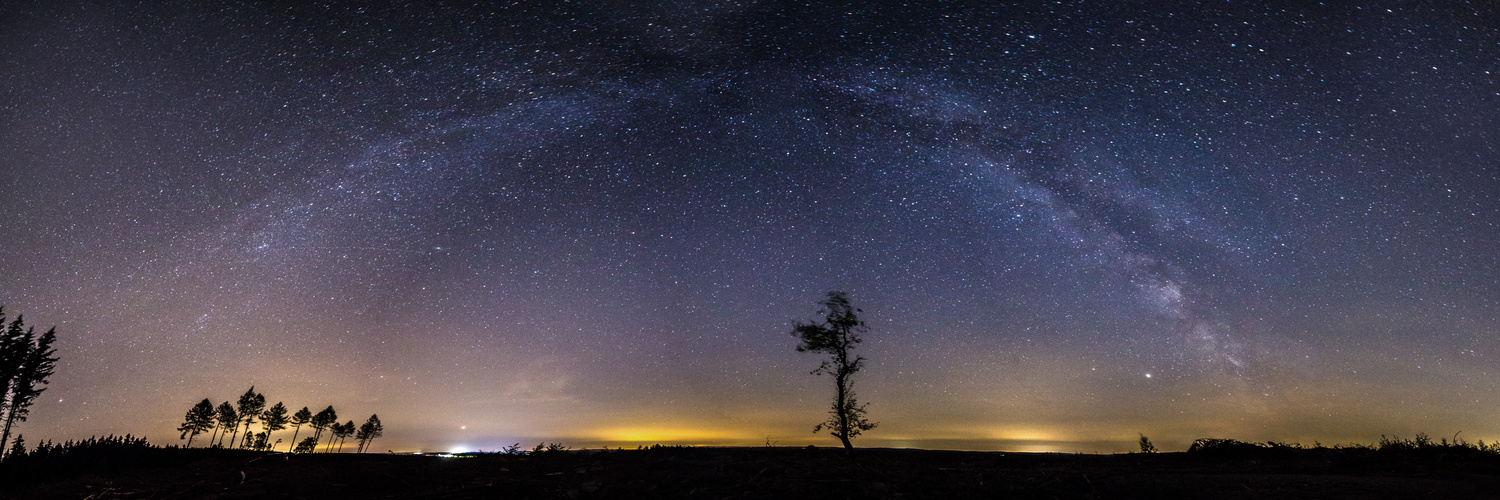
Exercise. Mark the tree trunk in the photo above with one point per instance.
(295, 430)
(10, 419)
(842, 409)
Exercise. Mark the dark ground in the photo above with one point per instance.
(770, 473)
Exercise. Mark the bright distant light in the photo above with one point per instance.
(458, 449)
(1148, 375)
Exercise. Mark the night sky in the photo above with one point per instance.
(1067, 223)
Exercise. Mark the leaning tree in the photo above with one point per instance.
(26, 362)
(342, 432)
(835, 336)
(323, 421)
(274, 419)
(250, 406)
(368, 431)
(299, 419)
(228, 419)
(199, 418)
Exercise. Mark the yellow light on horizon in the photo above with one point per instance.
(674, 435)
(1026, 434)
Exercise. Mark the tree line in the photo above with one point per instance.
(26, 362)
(835, 336)
(226, 420)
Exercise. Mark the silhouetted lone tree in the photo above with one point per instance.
(26, 362)
(323, 421)
(274, 419)
(250, 406)
(228, 419)
(368, 431)
(836, 336)
(199, 418)
(1146, 446)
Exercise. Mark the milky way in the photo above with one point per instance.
(1067, 223)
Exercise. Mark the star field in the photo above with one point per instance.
(1067, 222)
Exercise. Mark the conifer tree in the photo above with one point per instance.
(199, 418)
(228, 419)
(14, 343)
(214, 428)
(299, 419)
(250, 406)
(323, 421)
(274, 419)
(26, 362)
(368, 431)
(18, 449)
(342, 432)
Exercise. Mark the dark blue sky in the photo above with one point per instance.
(1067, 222)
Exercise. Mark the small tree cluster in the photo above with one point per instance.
(367, 432)
(226, 421)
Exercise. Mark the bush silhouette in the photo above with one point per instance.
(306, 446)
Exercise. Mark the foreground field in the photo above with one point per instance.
(777, 473)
